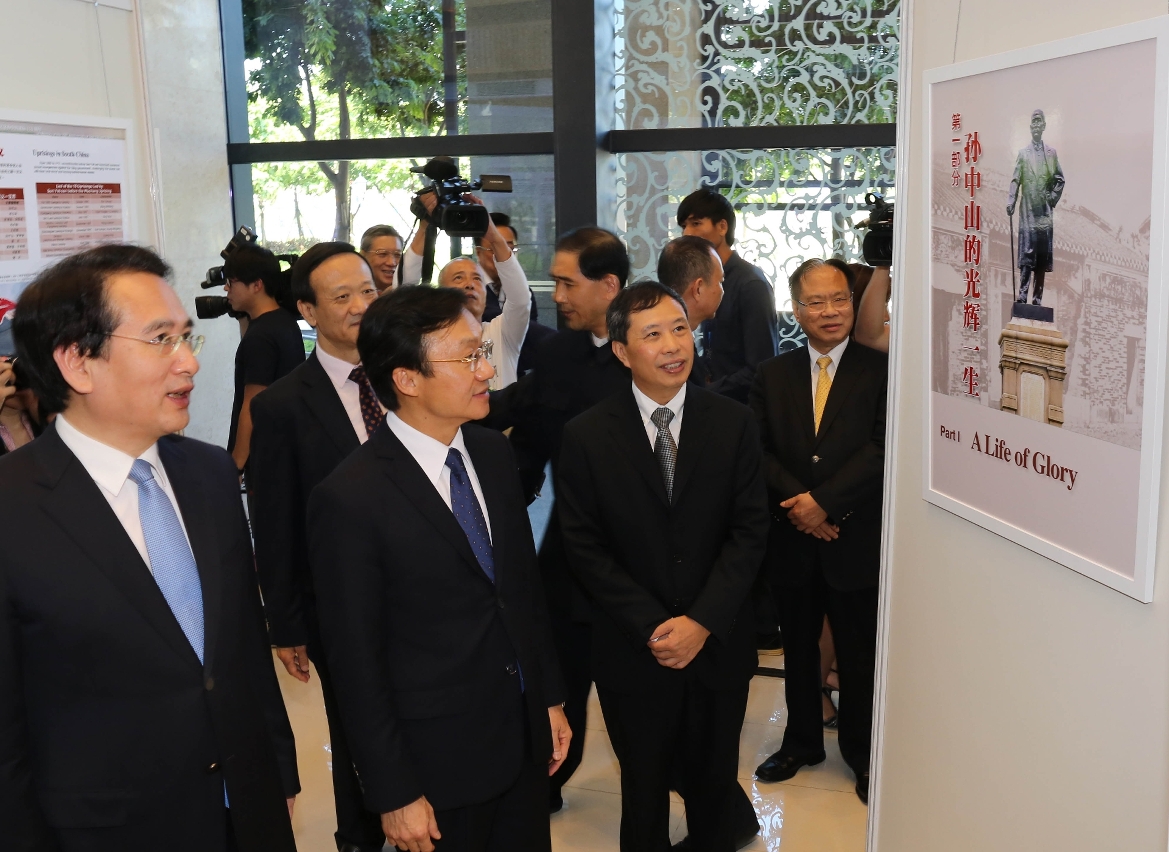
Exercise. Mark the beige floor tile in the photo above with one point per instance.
(766, 704)
(805, 819)
(590, 822)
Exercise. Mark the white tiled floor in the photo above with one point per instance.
(817, 811)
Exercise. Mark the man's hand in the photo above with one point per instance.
(499, 247)
(412, 827)
(295, 661)
(804, 512)
(827, 532)
(7, 381)
(561, 737)
(676, 642)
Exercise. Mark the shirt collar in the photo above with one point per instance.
(337, 370)
(431, 454)
(109, 467)
(598, 341)
(835, 353)
(647, 406)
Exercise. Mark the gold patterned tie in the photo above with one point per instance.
(823, 385)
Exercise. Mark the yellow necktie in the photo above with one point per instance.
(823, 385)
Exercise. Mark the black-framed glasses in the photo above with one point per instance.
(818, 306)
(169, 344)
(483, 353)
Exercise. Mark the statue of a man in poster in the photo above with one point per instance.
(1037, 183)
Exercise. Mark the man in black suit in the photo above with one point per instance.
(304, 425)
(429, 596)
(138, 704)
(574, 370)
(821, 412)
(664, 512)
(691, 267)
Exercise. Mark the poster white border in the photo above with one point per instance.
(1140, 585)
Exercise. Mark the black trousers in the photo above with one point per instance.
(517, 821)
(652, 734)
(853, 618)
(355, 824)
(574, 647)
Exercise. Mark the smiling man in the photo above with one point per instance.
(821, 411)
(429, 596)
(138, 704)
(664, 516)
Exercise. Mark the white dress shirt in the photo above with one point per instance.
(431, 456)
(350, 394)
(110, 469)
(834, 354)
(647, 407)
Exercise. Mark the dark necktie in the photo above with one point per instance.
(371, 410)
(469, 513)
(665, 449)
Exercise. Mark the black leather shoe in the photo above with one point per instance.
(684, 845)
(555, 801)
(345, 846)
(781, 767)
(862, 786)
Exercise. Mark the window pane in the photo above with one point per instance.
(296, 204)
(791, 204)
(349, 70)
(747, 63)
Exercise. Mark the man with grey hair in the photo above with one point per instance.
(381, 246)
(1038, 183)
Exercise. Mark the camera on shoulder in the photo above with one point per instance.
(453, 213)
(877, 245)
(210, 307)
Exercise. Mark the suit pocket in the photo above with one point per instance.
(86, 809)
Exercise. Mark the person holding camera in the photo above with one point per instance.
(271, 346)
(17, 419)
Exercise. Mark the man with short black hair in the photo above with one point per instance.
(746, 330)
(271, 346)
(138, 703)
(429, 596)
(692, 268)
(664, 515)
(381, 246)
(305, 425)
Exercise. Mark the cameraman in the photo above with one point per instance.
(271, 346)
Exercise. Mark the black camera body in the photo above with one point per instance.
(454, 214)
(877, 245)
(211, 307)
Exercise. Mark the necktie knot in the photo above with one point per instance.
(454, 460)
(823, 362)
(662, 418)
(371, 410)
(357, 375)
(141, 472)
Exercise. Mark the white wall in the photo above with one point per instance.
(78, 58)
(1026, 707)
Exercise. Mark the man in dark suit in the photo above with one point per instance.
(304, 425)
(574, 370)
(664, 512)
(691, 267)
(138, 704)
(429, 597)
(821, 412)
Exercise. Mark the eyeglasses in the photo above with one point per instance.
(488, 250)
(818, 306)
(483, 353)
(169, 344)
(382, 254)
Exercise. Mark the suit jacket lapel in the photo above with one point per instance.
(197, 518)
(629, 433)
(77, 505)
(326, 406)
(847, 372)
(695, 427)
(409, 478)
(801, 395)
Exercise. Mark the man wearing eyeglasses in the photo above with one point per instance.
(821, 412)
(431, 608)
(381, 246)
(138, 702)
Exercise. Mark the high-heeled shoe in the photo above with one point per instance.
(832, 721)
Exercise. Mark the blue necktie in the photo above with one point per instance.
(171, 559)
(469, 513)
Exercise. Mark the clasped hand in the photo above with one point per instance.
(807, 517)
(412, 828)
(677, 641)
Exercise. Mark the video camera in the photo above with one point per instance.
(210, 307)
(455, 215)
(877, 245)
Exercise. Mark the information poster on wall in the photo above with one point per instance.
(63, 188)
(1046, 338)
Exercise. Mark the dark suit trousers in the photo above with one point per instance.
(355, 824)
(853, 618)
(651, 733)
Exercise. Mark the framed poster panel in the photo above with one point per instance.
(1046, 320)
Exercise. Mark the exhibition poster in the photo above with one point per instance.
(1046, 340)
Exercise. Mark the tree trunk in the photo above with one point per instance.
(344, 222)
(296, 212)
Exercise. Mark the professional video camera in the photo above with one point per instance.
(210, 307)
(877, 246)
(455, 215)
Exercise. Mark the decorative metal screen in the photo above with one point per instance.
(750, 63)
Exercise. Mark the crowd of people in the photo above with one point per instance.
(699, 478)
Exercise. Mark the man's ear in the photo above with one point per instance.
(75, 368)
(612, 285)
(406, 382)
(722, 226)
(308, 311)
(621, 353)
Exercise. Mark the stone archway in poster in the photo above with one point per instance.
(1046, 173)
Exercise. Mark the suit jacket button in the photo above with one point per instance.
(209, 684)
(815, 459)
(214, 767)
(500, 602)
(510, 668)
